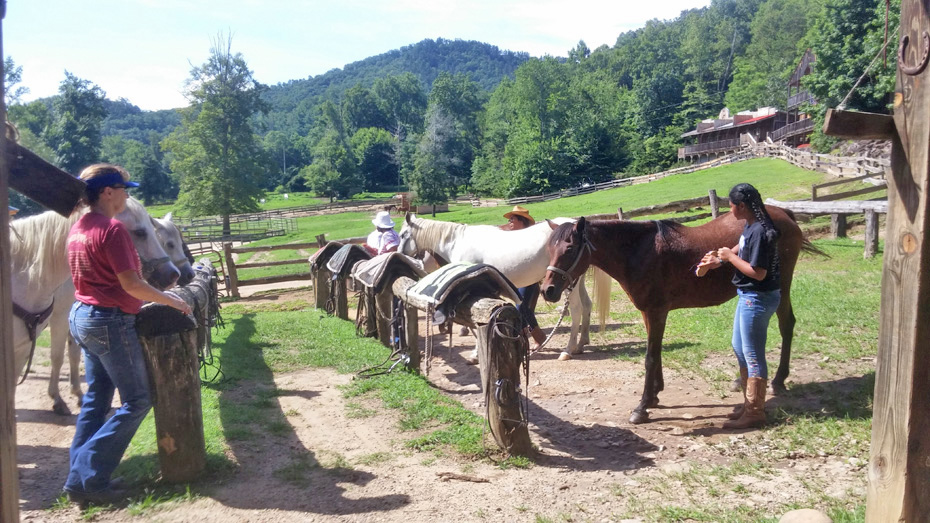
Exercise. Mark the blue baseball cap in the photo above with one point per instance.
(109, 180)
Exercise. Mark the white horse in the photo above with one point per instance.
(520, 255)
(41, 278)
(169, 236)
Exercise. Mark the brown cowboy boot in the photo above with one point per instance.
(738, 410)
(754, 411)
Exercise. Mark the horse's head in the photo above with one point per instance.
(408, 244)
(170, 238)
(157, 268)
(569, 257)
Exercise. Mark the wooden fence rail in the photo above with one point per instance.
(233, 268)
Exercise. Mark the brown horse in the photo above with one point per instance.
(654, 263)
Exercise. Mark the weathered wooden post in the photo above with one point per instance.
(384, 313)
(871, 233)
(502, 348)
(714, 205)
(899, 464)
(231, 270)
(170, 343)
(619, 213)
(838, 225)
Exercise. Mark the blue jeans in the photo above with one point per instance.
(113, 360)
(750, 328)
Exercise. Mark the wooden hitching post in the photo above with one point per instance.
(899, 463)
(838, 225)
(231, 269)
(384, 313)
(871, 233)
(9, 476)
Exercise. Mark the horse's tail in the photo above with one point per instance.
(602, 296)
(808, 247)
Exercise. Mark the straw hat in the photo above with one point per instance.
(520, 211)
(383, 220)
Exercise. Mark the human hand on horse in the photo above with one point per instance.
(711, 260)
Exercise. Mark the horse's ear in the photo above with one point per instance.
(168, 216)
(552, 224)
(579, 225)
(408, 217)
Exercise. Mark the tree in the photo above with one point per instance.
(215, 149)
(761, 75)
(77, 116)
(374, 150)
(845, 39)
(334, 171)
(13, 75)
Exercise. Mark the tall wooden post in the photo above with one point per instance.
(714, 204)
(899, 465)
(231, 270)
(9, 479)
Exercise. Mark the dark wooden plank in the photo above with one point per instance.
(855, 125)
(850, 194)
(900, 450)
(42, 181)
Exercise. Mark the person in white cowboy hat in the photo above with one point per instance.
(383, 239)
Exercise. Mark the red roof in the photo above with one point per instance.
(756, 119)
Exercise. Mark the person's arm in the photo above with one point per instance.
(712, 258)
(139, 289)
(726, 254)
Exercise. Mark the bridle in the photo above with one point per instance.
(586, 246)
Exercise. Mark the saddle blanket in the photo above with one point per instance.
(476, 279)
(341, 262)
(385, 268)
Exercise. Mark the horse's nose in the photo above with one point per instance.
(550, 293)
(165, 276)
(187, 275)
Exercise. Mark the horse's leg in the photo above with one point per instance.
(58, 329)
(655, 383)
(585, 314)
(576, 307)
(786, 321)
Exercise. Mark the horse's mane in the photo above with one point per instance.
(664, 228)
(430, 233)
(38, 243)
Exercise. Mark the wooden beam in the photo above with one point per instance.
(9, 476)
(899, 463)
(838, 207)
(855, 125)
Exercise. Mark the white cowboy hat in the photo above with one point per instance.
(383, 220)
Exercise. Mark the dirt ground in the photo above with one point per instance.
(593, 465)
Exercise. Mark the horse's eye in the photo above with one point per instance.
(170, 245)
(140, 233)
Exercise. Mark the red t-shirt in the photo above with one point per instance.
(99, 248)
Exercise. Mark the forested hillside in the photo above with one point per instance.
(443, 117)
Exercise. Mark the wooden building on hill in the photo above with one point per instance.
(723, 135)
(799, 126)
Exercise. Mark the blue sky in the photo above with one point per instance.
(142, 50)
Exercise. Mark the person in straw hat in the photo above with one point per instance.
(383, 239)
(519, 218)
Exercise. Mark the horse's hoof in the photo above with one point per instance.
(639, 416)
(736, 386)
(777, 389)
(565, 356)
(463, 331)
(61, 408)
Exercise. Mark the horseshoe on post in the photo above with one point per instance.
(916, 69)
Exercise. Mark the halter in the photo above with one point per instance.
(32, 321)
(586, 245)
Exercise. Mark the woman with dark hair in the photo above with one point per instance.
(758, 282)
